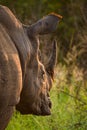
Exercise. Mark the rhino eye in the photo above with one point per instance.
(43, 74)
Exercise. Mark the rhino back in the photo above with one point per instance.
(16, 32)
(10, 76)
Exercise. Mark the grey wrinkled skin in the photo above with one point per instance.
(24, 81)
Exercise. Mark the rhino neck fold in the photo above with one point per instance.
(15, 31)
(22, 44)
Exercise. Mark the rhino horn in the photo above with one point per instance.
(52, 61)
(46, 25)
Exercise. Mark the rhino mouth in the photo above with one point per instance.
(43, 110)
(50, 103)
(46, 108)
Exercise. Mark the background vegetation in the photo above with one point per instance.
(69, 92)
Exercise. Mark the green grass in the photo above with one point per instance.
(69, 109)
(65, 116)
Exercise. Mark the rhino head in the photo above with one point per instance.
(38, 77)
(37, 84)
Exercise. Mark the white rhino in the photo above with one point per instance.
(24, 81)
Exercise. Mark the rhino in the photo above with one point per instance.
(25, 81)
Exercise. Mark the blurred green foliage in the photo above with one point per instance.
(73, 13)
(68, 113)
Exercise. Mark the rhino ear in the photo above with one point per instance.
(46, 25)
(52, 61)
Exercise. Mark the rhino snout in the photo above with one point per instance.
(45, 107)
